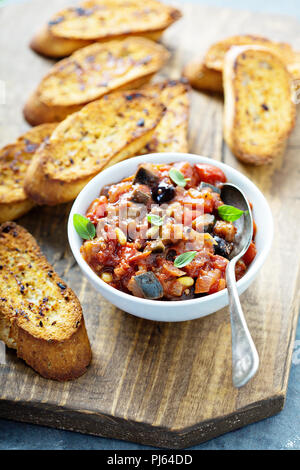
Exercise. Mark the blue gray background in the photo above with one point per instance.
(280, 432)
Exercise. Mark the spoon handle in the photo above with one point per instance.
(245, 359)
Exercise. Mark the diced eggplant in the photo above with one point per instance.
(140, 197)
(211, 186)
(171, 255)
(146, 175)
(225, 230)
(149, 286)
(204, 223)
(223, 248)
(164, 192)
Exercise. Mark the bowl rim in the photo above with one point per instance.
(168, 157)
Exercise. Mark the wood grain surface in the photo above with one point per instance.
(162, 384)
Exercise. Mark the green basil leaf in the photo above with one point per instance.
(230, 213)
(155, 219)
(84, 227)
(177, 177)
(184, 259)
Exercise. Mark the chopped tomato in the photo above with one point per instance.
(97, 209)
(123, 271)
(194, 203)
(139, 256)
(116, 190)
(169, 269)
(124, 255)
(206, 280)
(209, 203)
(175, 288)
(90, 249)
(197, 207)
(209, 173)
(128, 251)
(188, 172)
(250, 255)
(217, 286)
(100, 254)
(171, 287)
(193, 269)
(219, 262)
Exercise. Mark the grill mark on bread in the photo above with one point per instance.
(101, 134)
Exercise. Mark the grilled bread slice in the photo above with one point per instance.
(40, 316)
(207, 74)
(93, 72)
(259, 112)
(203, 78)
(171, 134)
(214, 58)
(102, 20)
(104, 132)
(14, 161)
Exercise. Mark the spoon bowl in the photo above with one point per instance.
(233, 196)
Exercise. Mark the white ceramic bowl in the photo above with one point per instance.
(172, 311)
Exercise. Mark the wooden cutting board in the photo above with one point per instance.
(162, 384)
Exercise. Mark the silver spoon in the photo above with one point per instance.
(245, 359)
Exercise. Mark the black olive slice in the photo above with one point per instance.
(164, 192)
(223, 248)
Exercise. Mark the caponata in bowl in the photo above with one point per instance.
(163, 233)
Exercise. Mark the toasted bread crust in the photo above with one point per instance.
(104, 132)
(115, 65)
(15, 210)
(214, 58)
(102, 20)
(36, 112)
(14, 161)
(207, 74)
(46, 44)
(253, 128)
(203, 78)
(171, 134)
(39, 315)
(60, 361)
